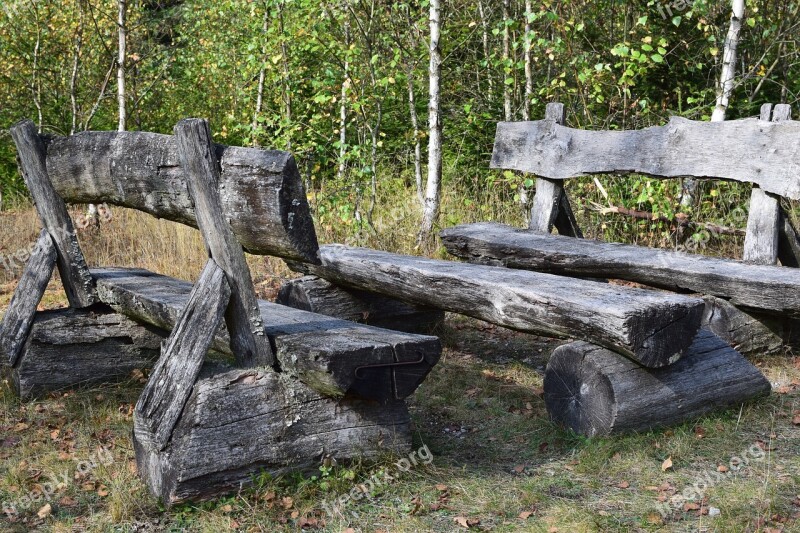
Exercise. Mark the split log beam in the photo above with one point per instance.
(261, 191)
(550, 203)
(324, 352)
(314, 294)
(768, 288)
(243, 317)
(54, 216)
(238, 422)
(70, 348)
(594, 391)
(654, 329)
(162, 400)
(789, 243)
(19, 316)
(750, 333)
(747, 150)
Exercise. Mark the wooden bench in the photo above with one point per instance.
(284, 388)
(749, 303)
(653, 338)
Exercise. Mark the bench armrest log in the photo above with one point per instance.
(243, 317)
(54, 216)
(261, 191)
(594, 391)
(651, 328)
(334, 357)
(763, 287)
(754, 151)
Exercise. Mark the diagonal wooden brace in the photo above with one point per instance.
(17, 321)
(52, 210)
(182, 355)
(243, 317)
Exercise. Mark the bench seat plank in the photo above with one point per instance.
(653, 329)
(764, 287)
(321, 351)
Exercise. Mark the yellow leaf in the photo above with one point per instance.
(667, 464)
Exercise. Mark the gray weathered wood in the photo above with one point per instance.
(761, 240)
(182, 356)
(761, 243)
(788, 243)
(240, 422)
(322, 351)
(654, 329)
(747, 150)
(749, 333)
(550, 203)
(54, 216)
(70, 348)
(594, 391)
(314, 294)
(19, 315)
(769, 288)
(261, 191)
(245, 324)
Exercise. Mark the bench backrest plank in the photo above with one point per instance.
(748, 150)
(261, 191)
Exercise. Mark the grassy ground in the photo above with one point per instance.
(498, 464)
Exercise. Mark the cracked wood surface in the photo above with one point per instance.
(652, 328)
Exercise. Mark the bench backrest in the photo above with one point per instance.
(762, 151)
(261, 191)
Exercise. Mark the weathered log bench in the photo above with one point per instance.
(284, 388)
(749, 304)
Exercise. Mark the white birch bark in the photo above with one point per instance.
(528, 67)
(123, 36)
(506, 56)
(433, 187)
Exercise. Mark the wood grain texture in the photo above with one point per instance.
(310, 293)
(182, 355)
(654, 329)
(746, 150)
(28, 293)
(768, 288)
(322, 351)
(238, 423)
(54, 216)
(594, 391)
(70, 348)
(788, 243)
(261, 191)
(761, 243)
(243, 317)
(551, 205)
(750, 333)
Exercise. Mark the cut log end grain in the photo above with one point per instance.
(594, 391)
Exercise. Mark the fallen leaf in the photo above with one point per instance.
(623, 484)
(461, 521)
(295, 514)
(699, 432)
(45, 511)
(796, 419)
(524, 515)
(519, 469)
(287, 502)
(667, 464)
(654, 518)
(228, 508)
(690, 506)
(617, 456)
(441, 488)
(722, 468)
(102, 491)
(66, 501)
(22, 426)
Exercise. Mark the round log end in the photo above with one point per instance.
(578, 395)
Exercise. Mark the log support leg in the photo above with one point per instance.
(594, 391)
(75, 347)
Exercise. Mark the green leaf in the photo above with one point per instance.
(677, 20)
(657, 58)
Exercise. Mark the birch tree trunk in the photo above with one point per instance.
(123, 36)
(343, 104)
(73, 80)
(690, 187)
(287, 91)
(526, 105)
(412, 109)
(261, 76)
(486, 54)
(432, 190)
(506, 59)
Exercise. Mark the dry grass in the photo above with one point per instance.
(499, 464)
